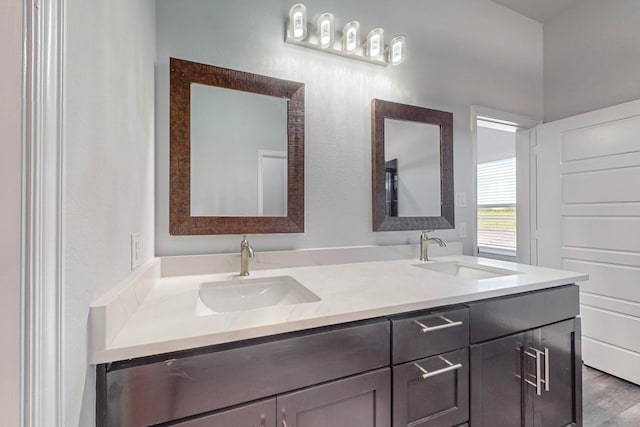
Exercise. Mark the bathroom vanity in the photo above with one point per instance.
(497, 351)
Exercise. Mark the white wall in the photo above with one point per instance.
(10, 184)
(591, 57)
(109, 170)
(461, 52)
(494, 145)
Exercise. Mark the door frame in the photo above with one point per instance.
(42, 330)
(524, 192)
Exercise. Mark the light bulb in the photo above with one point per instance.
(396, 50)
(351, 37)
(298, 29)
(375, 43)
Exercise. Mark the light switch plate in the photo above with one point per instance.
(461, 199)
(136, 251)
(463, 230)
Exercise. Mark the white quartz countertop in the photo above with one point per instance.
(167, 319)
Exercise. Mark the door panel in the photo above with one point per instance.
(361, 401)
(261, 414)
(497, 393)
(562, 394)
(588, 220)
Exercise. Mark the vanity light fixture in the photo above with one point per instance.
(350, 43)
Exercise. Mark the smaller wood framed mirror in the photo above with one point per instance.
(236, 152)
(412, 167)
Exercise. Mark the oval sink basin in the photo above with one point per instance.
(249, 294)
(467, 271)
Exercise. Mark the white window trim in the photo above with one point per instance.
(520, 121)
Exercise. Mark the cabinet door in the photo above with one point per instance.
(432, 392)
(497, 393)
(560, 401)
(261, 414)
(361, 401)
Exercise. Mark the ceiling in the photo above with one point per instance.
(540, 10)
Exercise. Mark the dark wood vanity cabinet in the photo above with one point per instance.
(203, 386)
(502, 362)
(531, 378)
(360, 401)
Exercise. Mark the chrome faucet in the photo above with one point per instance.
(246, 252)
(425, 241)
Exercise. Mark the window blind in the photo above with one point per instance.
(497, 204)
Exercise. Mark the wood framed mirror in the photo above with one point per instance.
(236, 152)
(412, 167)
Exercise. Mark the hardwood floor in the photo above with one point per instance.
(609, 401)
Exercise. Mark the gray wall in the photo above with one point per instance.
(591, 57)
(109, 181)
(10, 183)
(461, 52)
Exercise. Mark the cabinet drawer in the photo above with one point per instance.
(503, 316)
(261, 414)
(180, 387)
(439, 400)
(425, 334)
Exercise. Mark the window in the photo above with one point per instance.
(497, 206)
(496, 191)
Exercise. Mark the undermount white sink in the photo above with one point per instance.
(466, 271)
(242, 294)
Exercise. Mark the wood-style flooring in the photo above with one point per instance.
(609, 401)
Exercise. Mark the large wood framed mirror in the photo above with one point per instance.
(412, 167)
(236, 152)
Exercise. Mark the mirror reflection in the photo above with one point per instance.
(412, 168)
(238, 153)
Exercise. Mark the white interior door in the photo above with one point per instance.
(588, 217)
(272, 183)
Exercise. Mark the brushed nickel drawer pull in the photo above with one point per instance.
(426, 374)
(546, 369)
(448, 324)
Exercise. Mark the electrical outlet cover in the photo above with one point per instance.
(136, 251)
